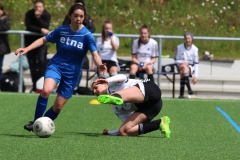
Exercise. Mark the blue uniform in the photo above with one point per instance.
(65, 65)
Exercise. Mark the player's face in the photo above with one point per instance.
(188, 40)
(144, 35)
(108, 27)
(99, 89)
(77, 17)
(39, 7)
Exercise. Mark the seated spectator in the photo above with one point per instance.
(4, 44)
(186, 58)
(107, 46)
(144, 54)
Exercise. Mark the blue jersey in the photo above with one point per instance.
(71, 47)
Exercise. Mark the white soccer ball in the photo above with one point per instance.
(43, 127)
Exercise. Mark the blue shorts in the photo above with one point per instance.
(66, 78)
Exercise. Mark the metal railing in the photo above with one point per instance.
(159, 38)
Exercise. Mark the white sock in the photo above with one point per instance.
(113, 133)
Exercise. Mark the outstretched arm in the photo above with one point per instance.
(32, 46)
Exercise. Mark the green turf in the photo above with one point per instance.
(199, 131)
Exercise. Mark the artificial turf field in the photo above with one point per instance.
(199, 131)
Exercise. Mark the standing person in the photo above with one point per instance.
(146, 99)
(4, 45)
(186, 58)
(144, 54)
(108, 45)
(73, 41)
(90, 26)
(37, 20)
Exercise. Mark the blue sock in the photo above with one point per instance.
(51, 114)
(40, 107)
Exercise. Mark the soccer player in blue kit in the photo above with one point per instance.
(72, 42)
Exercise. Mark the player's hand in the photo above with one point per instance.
(44, 31)
(185, 63)
(22, 51)
(102, 68)
(37, 13)
(194, 80)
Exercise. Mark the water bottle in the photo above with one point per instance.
(141, 74)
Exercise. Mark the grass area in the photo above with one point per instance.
(202, 17)
(199, 131)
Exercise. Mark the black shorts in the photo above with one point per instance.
(109, 64)
(152, 104)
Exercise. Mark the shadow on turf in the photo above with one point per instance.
(99, 134)
(24, 136)
(86, 134)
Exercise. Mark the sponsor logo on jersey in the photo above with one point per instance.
(63, 33)
(68, 41)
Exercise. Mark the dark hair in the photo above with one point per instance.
(103, 31)
(80, 1)
(1, 6)
(143, 27)
(38, 1)
(75, 7)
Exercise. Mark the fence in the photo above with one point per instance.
(159, 38)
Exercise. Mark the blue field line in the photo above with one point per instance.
(234, 124)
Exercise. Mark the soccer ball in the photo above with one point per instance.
(43, 127)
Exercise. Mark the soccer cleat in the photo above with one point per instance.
(181, 96)
(29, 126)
(190, 92)
(105, 132)
(108, 99)
(164, 126)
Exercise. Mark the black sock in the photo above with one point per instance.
(116, 95)
(150, 76)
(149, 126)
(182, 85)
(186, 79)
(132, 76)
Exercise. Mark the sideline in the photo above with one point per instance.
(93, 96)
(234, 124)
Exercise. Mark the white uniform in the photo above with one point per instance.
(105, 50)
(189, 55)
(117, 83)
(145, 51)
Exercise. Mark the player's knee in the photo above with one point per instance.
(121, 132)
(46, 92)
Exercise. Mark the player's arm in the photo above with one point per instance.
(177, 58)
(98, 62)
(39, 42)
(119, 78)
(134, 59)
(195, 61)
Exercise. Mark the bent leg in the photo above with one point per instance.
(130, 126)
(128, 96)
(54, 111)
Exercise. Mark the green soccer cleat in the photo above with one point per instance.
(164, 126)
(108, 99)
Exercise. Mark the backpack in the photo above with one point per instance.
(10, 81)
